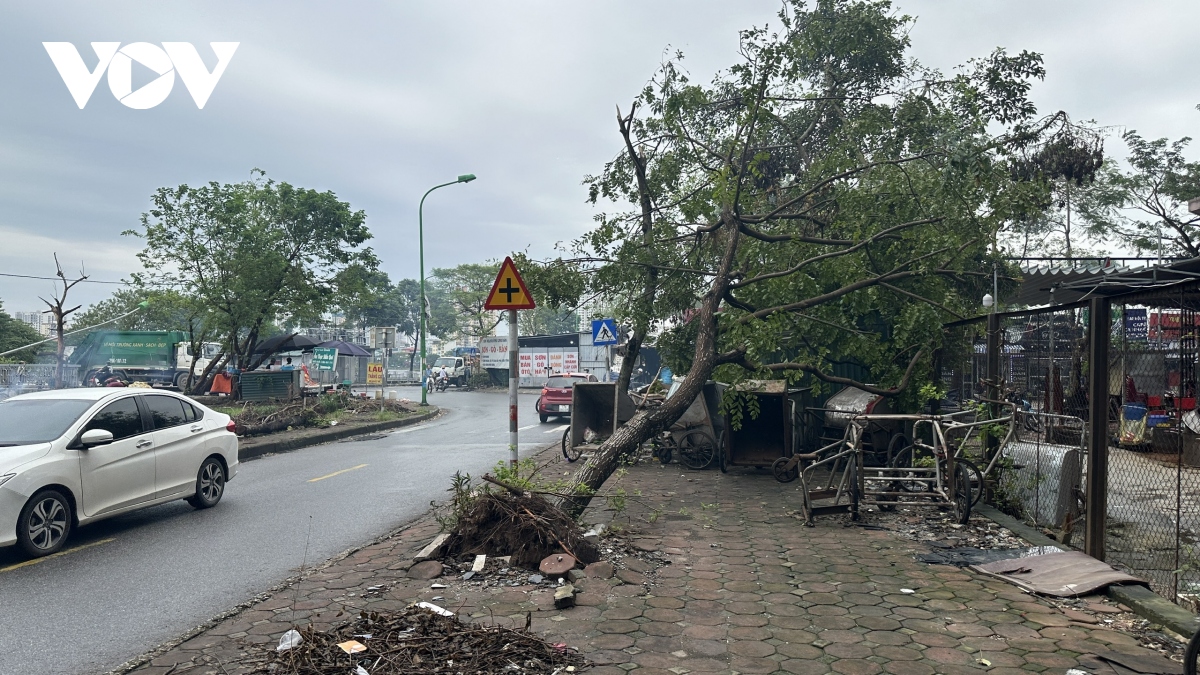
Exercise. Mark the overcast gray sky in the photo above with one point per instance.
(378, 101)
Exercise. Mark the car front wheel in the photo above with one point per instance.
(45, 523)
(210, 484)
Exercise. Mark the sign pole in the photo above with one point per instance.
(513, 355)
(511, 296)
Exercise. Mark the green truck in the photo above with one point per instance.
(159, 358)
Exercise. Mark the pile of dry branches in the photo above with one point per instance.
(418, 642)
(524, 526)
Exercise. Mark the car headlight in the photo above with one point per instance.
(6, 477)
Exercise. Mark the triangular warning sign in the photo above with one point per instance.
(509, 291)
(604, 334)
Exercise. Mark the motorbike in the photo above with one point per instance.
(1024, 409)
(441, 384)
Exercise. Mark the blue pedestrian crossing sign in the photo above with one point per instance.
(604, 331)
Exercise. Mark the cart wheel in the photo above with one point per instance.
(782, 473)
(962, 495)
(571, 454)
(722, 458)
(697, 449)
(663, 454)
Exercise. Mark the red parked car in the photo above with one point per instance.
(555, 400)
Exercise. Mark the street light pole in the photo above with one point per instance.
(465, 178)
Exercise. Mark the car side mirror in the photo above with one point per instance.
(93, 437)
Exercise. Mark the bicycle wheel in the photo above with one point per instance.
(908, 458)
(697, 449)
(1191, 655)
(975, 478)
(962, 494)
(571, 454)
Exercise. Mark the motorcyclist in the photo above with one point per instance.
(443, 377)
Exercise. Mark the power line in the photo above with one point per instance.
(86, 281)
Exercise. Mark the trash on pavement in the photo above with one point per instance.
(417, 642)
(290, 639)
(352, 646)
(435, 609)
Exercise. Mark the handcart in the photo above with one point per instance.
(598, 410)
(694, 437)
(921, 474)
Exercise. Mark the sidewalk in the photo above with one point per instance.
(714, 577)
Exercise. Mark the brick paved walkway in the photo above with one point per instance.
(747, 589)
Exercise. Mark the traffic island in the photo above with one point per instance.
(253, 447)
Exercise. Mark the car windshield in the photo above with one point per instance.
(449, 363)
(562, 382)
(23, 422)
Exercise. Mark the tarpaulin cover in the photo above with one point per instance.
(965, 557)
(1065, 575)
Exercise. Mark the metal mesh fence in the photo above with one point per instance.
(1036, 473)
(1154, 445)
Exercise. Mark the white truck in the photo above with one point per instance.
(458, 369)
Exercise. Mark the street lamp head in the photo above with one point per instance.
(466, 178)
(988, 300)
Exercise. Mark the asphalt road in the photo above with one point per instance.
(126, 585)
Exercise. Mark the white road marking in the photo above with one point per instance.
(531, 426)
(555, 430)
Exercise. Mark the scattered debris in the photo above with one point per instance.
(564, 596)
(435, 609)
(290, 639)
(417, 642)
(556, 565)
(429, 569)
(480, 561)
(434, 548)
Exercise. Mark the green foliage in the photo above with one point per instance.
(737, 403)
(840, 201)
(1134, 208)
(466, 288)
(253, 253)
(480, 379)
(15, 334)
(461, 495)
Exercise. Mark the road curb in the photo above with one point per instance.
(1143, 601)
(330, 434)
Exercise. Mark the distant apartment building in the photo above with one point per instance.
(39, 321)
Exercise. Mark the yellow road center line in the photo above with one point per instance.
(336, 473)
(35, 561)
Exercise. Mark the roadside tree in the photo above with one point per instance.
(15, 334)
(253, 253)
(824, 201)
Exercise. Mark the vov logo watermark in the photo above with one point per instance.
(166, 61)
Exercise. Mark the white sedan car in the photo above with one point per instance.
(73, 456)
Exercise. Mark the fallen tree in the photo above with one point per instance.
(825, 202)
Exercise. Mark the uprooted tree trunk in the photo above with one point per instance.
(648, 422)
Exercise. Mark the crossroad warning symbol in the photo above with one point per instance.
(509, 291)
